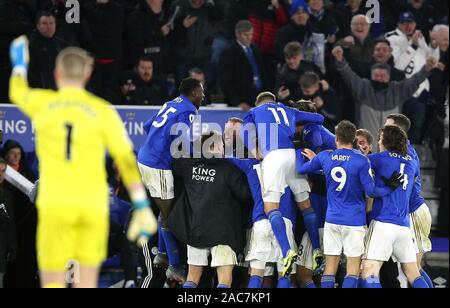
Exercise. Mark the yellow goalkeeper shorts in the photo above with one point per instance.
(72, 233)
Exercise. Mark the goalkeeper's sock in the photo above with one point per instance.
(172, 247)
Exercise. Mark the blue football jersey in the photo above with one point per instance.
(275, 126)
(163, 129)
(318, 138)
(416, 197)
(393, 208)
(252, 168)
(348, 181)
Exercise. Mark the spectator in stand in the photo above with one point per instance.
(15, 19)
(425, 14)
(359, 45)
(439, 76)
(410, 51)
(382, 53)
(322, 35)
(199, 75)
(105, 19)
(267, 16)
(8, 245)
(378, 97)
(325, 99)
(23, 271)
(44, 48)
(195, 29)
(344, 14)
(295, 31)
(149, 89)
(124, 94)
(233, 11)
(287, 84)
(73, 33)
(148, 32)
(242, 69)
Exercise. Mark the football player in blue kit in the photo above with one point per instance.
(389, 233)
(420, 216)
(272, 126)
(156, 156)
(348, 182)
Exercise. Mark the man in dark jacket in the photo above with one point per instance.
(195, 29)
(325, 99)
(208, 214)
(295, 31)
(242, 69)
(23, 271)
(287, 84)
(8, 246)
(105, 19)
(44, 48)
(150, 90)
(148, 32)
(15, 20)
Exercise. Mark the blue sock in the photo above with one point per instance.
(190, 285)
(310, 219)
(350, 282)
(309, 285)
(372, 282)
(360, 282)
(284, 283)
(172, 247)
(420, 283)
(222, 286)
(279, 230)
(161, 244)
(328, 282)
(255, 282)
(427, 279)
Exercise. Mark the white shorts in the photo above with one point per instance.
(158, 182)
(421, 221)
(305, 251)
(264, 247)
(384, 240)
(278, 172)
(222, 255)
(338, 239)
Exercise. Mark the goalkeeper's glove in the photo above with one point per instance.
(19, 54)
(143, 223)
(394, 181)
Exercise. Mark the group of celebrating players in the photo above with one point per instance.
(289, 152)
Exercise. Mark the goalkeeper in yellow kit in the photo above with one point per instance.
(74, 129)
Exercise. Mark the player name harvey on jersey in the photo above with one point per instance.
(203, 174)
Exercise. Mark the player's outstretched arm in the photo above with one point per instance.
(312, 166)
(307, 117)
(374, 191)
(143, 223)
(18, 86)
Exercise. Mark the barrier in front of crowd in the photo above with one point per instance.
(15, 125)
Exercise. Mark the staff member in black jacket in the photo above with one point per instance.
(209, 213)
(8, 245)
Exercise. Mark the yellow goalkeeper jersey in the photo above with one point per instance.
(73, 132)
